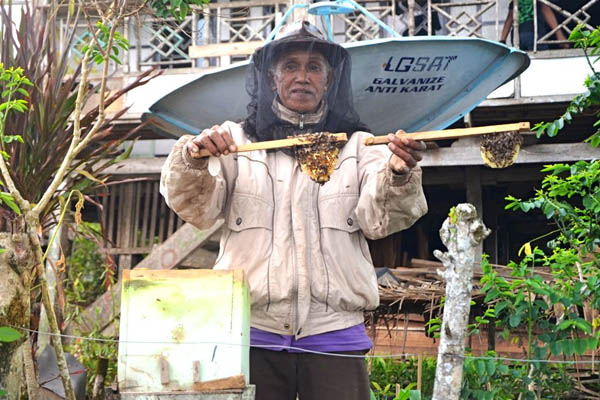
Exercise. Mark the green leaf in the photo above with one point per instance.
(580, 345)
(552, 129)
(8, 199)
(415, 395)
(8, 334)
(544, 337)
(514, 320)
(583, 325)
(480, 367)
(491, 367)
(555, 348)
(568, 347)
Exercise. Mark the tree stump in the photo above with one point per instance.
(461, 233)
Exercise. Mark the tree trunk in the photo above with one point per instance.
(461, 233)
(13, 308)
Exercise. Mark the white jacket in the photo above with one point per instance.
(302, 245)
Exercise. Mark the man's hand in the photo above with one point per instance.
(216, 140)
(406, 153)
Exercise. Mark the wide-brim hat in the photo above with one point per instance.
(299, 35)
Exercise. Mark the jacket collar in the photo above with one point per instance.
(299, 119)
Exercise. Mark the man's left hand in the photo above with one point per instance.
(406, 153)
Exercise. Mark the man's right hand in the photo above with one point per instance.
(216, 140)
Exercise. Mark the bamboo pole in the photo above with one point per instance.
(454, 133)
(272, 144)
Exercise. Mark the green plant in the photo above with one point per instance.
(88, 272)
(174, 8)
(589, 41)
(91, 349)
(384, 374)
(549, 308)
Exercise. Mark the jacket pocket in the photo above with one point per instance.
(338, 212)
(342, 281)
(248, 243)
(249, 212)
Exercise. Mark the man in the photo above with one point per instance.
(302, 245)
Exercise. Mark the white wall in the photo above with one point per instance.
(549, 77)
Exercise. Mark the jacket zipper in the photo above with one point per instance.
(295, 296)
(294, 315)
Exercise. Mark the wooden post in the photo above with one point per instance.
(164, 370)
(419, 372)
(516, 44)
(101, 369)
(411, 17)
(461, 233)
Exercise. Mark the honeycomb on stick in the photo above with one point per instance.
(500, 150)
(318, 155)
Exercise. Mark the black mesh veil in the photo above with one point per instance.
(337, 113)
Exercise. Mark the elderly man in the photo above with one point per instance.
(302, 245)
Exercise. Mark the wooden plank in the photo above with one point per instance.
(273, 144)
(225, 49)
(162, 220)
(232, 382)
(243, 4)
(200, 258)
(164, 370)
(196, 370)
(105, 214)
(429, 136)
(138, 189)
(113, 212)
(502, 270)
(154, 213)
(147, 195)
(126, 223)
(538, 153)
(120, 214)
(443, 157)
(165, 256)
(127, 250)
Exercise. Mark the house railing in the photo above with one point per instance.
(224, 32)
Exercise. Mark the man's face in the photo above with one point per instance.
(301, 79)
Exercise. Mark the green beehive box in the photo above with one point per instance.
(180, 328)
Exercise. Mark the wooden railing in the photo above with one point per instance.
(135, 219)
(224, 32)
(570, 19)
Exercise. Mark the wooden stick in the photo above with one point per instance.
(453, 133)
(419, 372)
(273, 144)
(232, 382)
